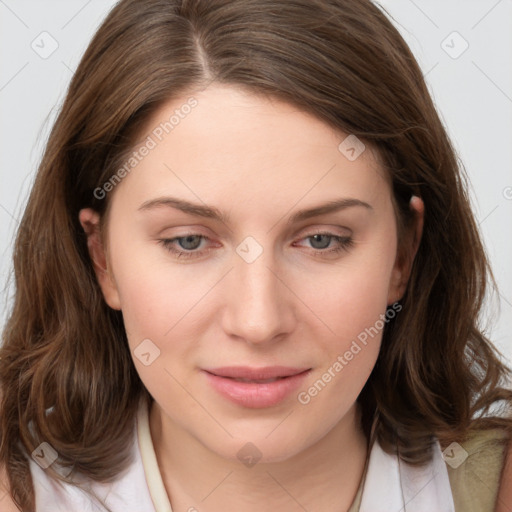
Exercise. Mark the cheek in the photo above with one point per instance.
(157, 309)
(351, 297)
(156, 304)
(155, 292)
(355, 314)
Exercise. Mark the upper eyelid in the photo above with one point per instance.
(192, 229)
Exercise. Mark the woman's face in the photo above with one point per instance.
(244, 237)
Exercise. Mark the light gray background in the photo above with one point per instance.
(472, 90)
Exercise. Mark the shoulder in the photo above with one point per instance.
(128, 490)
(474, 468)
(6, 502)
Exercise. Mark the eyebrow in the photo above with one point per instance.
(215, 214)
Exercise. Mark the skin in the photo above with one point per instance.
(258, 161)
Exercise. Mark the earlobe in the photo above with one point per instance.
(405, 258)
(90, 222)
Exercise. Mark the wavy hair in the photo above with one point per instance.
(65, 350)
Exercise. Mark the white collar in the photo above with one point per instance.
(392, 485)
(151, 470)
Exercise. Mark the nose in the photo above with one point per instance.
(259, 307)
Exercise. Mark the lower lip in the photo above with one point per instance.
(253, 394)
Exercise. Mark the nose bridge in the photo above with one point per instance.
(258, 307)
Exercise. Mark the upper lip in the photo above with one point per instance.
(247, 372)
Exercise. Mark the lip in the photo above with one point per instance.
(251, 393)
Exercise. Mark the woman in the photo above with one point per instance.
(248, 276)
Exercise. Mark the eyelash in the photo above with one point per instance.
(344, 244)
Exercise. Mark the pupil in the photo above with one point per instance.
(187, 240)
(316, 238)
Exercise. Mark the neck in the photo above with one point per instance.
(325, 477)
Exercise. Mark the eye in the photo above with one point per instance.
(323, 244)
(189, 243)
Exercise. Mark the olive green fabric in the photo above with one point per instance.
(475, 481)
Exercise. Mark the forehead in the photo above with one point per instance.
(226, 145)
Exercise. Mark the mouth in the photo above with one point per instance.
(247, 373)
(258, 381)
(255, 387)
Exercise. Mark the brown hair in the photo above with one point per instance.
(437, 375)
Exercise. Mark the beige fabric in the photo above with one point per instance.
(151, 470)
(359, 495)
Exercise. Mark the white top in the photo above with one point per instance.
(389, 484)
(394, 486)
(138, 489)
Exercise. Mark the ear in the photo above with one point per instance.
(90, 221)
(406, 254)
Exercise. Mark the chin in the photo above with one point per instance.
(260, 448)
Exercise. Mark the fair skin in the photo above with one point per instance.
(258, 162)
(6, 502)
